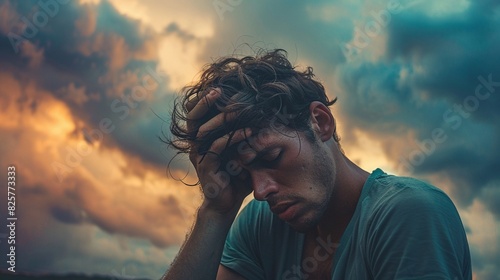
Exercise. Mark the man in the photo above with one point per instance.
(257, 124)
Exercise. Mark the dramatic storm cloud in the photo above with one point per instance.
(86, 87)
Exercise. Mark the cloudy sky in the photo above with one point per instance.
(86, 88)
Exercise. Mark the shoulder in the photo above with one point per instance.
(403, 193)
(255, 242)
(407, 208)
(255, 211)
(413, 228)
(254, 221)
(243, 238)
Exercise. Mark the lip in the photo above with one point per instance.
(285, 211)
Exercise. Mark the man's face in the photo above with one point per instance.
(293, 175)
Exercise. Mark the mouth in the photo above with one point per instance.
(285, 211)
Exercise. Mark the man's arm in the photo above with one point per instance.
(200, 256)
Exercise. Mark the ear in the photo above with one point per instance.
(322, 120)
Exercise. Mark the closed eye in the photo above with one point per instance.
(265, 158)
(272, 157)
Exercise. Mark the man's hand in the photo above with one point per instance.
(200, 255)
(223, 193)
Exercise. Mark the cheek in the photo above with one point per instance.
(299, 173)
(293, 175)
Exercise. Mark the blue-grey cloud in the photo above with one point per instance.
(438, 72)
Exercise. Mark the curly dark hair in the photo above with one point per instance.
(259, 89)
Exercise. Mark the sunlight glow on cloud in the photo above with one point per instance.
(366, 152)
(190, 15)
(179, 59)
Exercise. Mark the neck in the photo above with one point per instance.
(349, 181)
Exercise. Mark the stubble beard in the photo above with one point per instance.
(322, 178)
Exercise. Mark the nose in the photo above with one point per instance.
(263, 185)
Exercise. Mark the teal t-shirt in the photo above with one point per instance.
(402, 228)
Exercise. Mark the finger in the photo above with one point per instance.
(199, 106)
(215, 122)
(194, 99)
(219, 145)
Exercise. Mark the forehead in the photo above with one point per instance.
(262, 140)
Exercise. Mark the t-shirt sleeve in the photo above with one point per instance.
(419, 236)
(241, 250)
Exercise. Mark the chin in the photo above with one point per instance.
(303, 224)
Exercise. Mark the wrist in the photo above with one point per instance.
(206, 212)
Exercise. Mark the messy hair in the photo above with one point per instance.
(259, 90)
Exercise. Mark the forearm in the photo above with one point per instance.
(200, 255)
